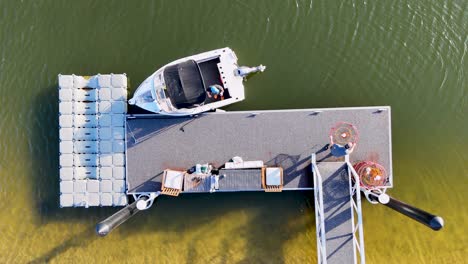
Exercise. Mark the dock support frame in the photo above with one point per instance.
(358, 232)
(319, 213)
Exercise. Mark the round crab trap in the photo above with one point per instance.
(371, 175)
(343, 133)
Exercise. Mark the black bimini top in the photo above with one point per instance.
(184, 84)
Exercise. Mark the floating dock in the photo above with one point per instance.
(107, 155)
(284, 138)
(92, 113)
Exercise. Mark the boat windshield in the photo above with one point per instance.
(145, 97)
(184, 84)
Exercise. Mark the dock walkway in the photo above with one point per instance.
(284, 138)
(337, 211)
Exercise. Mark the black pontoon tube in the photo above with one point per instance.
(106, 226)
(432, 221)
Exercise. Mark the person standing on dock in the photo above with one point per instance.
(338, 150)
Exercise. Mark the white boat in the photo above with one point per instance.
(184, 87)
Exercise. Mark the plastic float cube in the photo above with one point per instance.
(104, 94)
(66, 95)
(83, 173)
(85, 121)
(106, 199)
(119, 199)
(118, 186)
(66, 134)
(66, 186)
(92, 186)
(92, 113)
(93, 199)
(106, 186)
(66, 200)
(66, 174)
(105, 173)
(66, 121)
(66, 147)
(118, 172)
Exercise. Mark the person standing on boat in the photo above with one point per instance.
(215, 91)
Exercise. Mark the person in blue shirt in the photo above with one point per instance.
(338, 150)
(215, 91)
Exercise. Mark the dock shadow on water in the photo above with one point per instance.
(80, 240)
(265, 234)
(192, 221)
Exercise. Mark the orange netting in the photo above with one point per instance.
(371, 174)
(343, 133)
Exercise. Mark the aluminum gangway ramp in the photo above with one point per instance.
(337, 240)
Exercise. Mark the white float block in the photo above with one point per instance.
(65, 120)
(65, 81)
(92, 186)
(79, 199)
(66, 186)
(85, 134)
(66, 160)
(118, 120)
(105, 133)
(105, 173)
(66, 174)
(86, 147)
(118, 173)
(104, 80)
(66, 200)
(119, 94)
(118, 159)
(120, 199)
(104, 120)
(118, 107)
(85, 121)
(106, 199)
(85, 160)
(85, 108)
(66, 133)
(66, 147)
(79, 81)
(82, 173)
(105, 160)
(105, 146)
(85, 95)
(85, 81)
(104, 94)
(104, 107)
(119, 80)
(118, 133)
(118, 186)
(93, 199)
(118, 146)
(106, 186)
(79, 186)
(65, 108)
(66, 95)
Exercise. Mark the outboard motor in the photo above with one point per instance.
(243, 71)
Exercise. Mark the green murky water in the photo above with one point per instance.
(410, 55)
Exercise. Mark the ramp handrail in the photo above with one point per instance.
(319, 213)
(358, 234)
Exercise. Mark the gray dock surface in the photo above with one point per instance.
(285, 138)
(338, 212)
